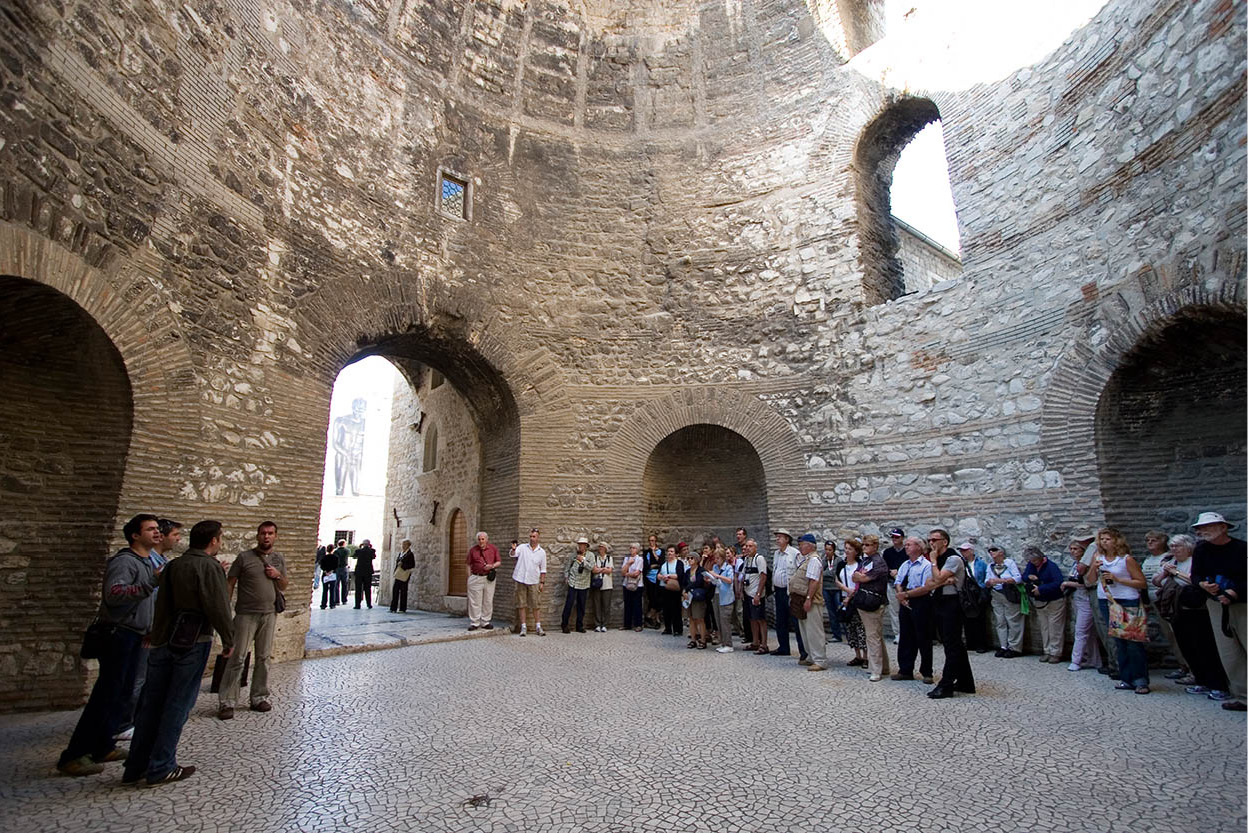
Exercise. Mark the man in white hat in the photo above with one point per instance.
(782, 564)
(1220, 566)
(578, 572)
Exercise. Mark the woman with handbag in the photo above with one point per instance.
(671, 577)
(698, 586)
(1119, 583)
(871, 602)
(845, 613)
(632, 571)
(600, 586)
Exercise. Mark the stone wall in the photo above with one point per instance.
(667, 228)
(924, 262)
(412, 493)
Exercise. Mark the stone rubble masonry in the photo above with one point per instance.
(669, 228)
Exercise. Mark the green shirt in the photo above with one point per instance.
(577, 578)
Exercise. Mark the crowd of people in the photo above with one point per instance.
(930, 591)
(154, 629)
(153, 634)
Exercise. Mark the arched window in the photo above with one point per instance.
(430, 462)
(897, 256)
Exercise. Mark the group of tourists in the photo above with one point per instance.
(154, 629)
(153, 634)
(930, 591)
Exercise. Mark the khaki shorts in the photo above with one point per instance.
(527, 596)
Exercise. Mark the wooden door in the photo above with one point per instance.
(457, 557)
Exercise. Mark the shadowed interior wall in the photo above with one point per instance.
(703, 480)
(65, 422)
(1171, 427)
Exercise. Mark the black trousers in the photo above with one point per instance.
(957, 672)
(976, 630)
(329, 593)
(363, 588)
(672, 621)
(1194, 634)
(578, 595)
(398, 596)
(784, 623)
(915, 626)
(632, 608)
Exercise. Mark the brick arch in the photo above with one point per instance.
(460, 335)
(122, 301)
(91, 360)
(879, 146)
(770, 434)
(1142, 306)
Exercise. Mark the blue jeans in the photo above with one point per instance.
(832, 601)
(343, 574)
(784, 623)
(1132, 656)
(575, 595)
(173, 682)
(102, 716)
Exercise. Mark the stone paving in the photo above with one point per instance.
(344, 630)
(621, 731)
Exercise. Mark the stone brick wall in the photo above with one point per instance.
(666, 230)
(924, 263)
(411, 492)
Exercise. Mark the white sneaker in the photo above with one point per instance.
(539, 632)
(724, 649)
(524, 631)
(1074, 667)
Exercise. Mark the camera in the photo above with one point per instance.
(580, 568)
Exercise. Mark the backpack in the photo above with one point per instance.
(972, 596)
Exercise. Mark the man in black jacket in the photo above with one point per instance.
(193, 602)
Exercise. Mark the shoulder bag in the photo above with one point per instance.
(865, 600)
(1127, 625)
(95, 638)
(797, 606)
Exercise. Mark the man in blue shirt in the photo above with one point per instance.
(915, 613)
(1043, 581)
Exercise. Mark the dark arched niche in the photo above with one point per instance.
(1171, 427)
(704, 479)
(65, 422)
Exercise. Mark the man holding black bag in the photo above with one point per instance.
(115, 637)
(260, 575)
(193, 603)
(483, 564)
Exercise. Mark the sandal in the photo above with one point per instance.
(701, 645)
(1123, 685)
(692, 644)
(176, 775)
(1142, 690)
(762, 650)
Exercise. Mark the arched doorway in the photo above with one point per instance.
(457, 556)
(65, 423)
(1171, 426)
(701, 480)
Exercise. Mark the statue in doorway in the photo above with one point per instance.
(348, 442)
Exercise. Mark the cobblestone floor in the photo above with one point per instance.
(564, 733)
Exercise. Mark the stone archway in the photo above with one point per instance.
(702, 480)
(1171, 426)
(1138, 308)
(127, 340)
(65, 426)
